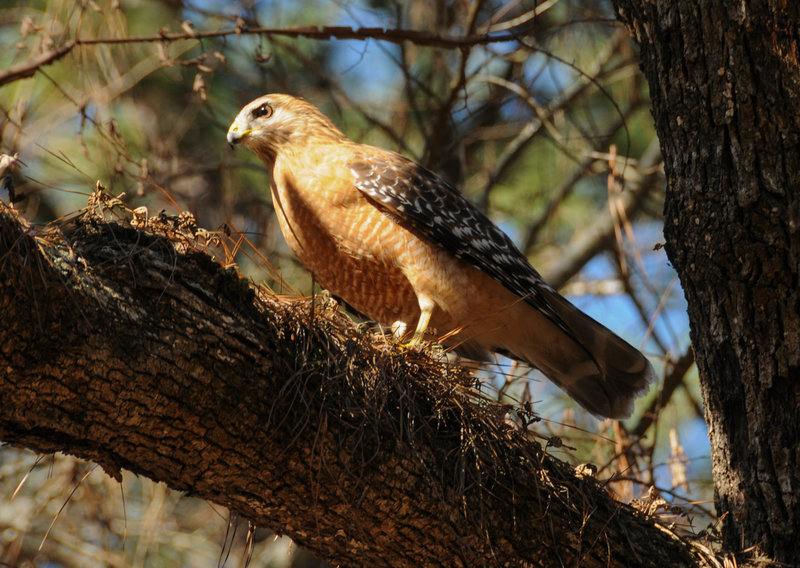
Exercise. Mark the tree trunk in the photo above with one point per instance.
(725, 84)
(117, 347)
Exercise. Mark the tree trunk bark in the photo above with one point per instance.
(725, 84)
(118, 347)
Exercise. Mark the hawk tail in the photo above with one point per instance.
(596, 367)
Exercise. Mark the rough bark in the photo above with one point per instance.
(117, 347)
(725, 84)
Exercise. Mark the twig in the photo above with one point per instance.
(675, 379)
(28, 68)
(396, 35)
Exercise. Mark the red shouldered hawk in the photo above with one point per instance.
(405, 248)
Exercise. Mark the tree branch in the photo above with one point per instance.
(392, 35)
(140, 352)
(591, 240)
(28, 68)
(323, 33)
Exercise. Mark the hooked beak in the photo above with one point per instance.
(234, 136)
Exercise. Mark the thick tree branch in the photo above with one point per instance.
(140, 352)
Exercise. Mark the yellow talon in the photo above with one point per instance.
(422, 326)
(399, 328)
(425, 311)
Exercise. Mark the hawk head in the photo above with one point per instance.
(272, 122)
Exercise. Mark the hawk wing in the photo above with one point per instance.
(426, 204)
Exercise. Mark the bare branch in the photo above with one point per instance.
(28, 68)
(675, 378)
(417, 37)
(600, 235)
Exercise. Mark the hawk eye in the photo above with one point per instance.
(263, 111)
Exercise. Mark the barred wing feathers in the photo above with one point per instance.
(430, 207)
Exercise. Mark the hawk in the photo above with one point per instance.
(404, 247)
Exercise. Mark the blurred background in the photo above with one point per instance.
(542, 119)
